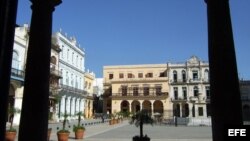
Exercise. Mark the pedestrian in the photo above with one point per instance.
(102, 119)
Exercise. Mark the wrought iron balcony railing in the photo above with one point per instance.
(17, 74)
(73, 90)
(141, 94)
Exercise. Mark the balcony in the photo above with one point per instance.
(127, 80)
(17, 74)
(54, 71)
(73, 90)
(179, 99)
(178, 81)
(162, 95)
(193, 98)
(196, 80)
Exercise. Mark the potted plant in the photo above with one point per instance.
(112, 119)
(10, 133)
(79, 130)
(63, 134)
(140, 118)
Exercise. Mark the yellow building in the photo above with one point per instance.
(134, 87)
(89, 78)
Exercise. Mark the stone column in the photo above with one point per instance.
(190, 106)
(180, 109)
(224, 82)
(204, 110)
(36, 84)
(68, 105)
(62, 106)
(73, 102)
(8, 12)
(81, 108)
(77, 105)
(196, 110)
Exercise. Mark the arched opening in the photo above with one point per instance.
(184, 78)
(175, 76)
(196, 91)
(147, 105)
(176, 110)
(15, 61)
(206, 75)
(185, 110)
(53, 60)
(135, 106)
(124, 106)
(158, 107)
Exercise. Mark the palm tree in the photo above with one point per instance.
(140, 118)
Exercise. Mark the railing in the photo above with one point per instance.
(72, 89)
(54, 71)
(140, 94)
(178, 81)
(17, 73)
(197, 80)
(179, 98)
(135, 79)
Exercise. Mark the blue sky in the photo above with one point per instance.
(120, 32)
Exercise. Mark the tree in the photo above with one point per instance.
(140, 118)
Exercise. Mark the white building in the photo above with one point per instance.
(71, 65)
(98, 86)
(190, 90)
(17, 71)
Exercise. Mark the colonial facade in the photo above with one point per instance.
(130, 88)
(189, 88)
(55, 76)
(89, 78)
(17, 70)
(245, 97)
(71, 65)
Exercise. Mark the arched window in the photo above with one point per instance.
(62, 53)
(175, 76)
(53, 60)
(206, 75)
(196, 91)
(76, 81)
(15, 62)
(67, 78)
(184, 76)
(61, 80)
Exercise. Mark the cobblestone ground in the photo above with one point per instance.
(124, 132)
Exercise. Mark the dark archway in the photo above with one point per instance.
(158, 107)
(147, 105)
(124, 106)
(135, 106)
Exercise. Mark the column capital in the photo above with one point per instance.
(46, 3)
(214, 0)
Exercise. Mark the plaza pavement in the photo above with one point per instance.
(124, 132)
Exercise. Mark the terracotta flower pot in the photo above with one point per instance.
(63, 136)
(10, 136)
(79, 134)
(49, 132)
